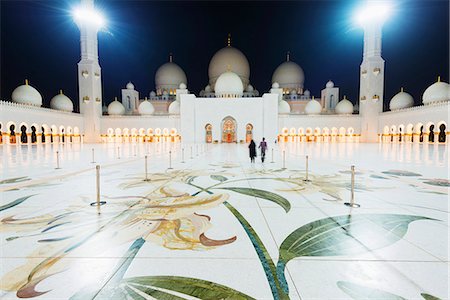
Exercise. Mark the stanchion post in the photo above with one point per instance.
(307, 169)
(97, 171)
(146, 169)
(284, 159)
(170, 160)
(191, 153)
(182, 155)
(197, 149)
(93, 156)
(57, 161)
(272, 157)
(352, 191)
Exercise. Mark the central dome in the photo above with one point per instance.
(168, 77)
(225, 59)
(289, 75)
(229, 85)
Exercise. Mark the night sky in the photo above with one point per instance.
(39, 41)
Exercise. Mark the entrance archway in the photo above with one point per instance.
(442, 136)
(248, 133)
(229, 130)
(208, 133)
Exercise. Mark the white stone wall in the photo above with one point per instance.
(260, 112)
(409, 121)
(21, 114)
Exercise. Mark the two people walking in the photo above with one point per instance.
(252, 150)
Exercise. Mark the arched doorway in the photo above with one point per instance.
(421, 134)
(431, 134)
(229, 130)
(12, 134)
(23, 135)
(33, 135)
(442, 137)
(208, 133)
(43, 135)
(248, 133)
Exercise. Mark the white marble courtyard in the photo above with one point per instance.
(217, 227)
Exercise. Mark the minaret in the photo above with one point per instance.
(89, 71)
(371, 78)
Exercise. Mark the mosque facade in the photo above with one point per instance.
(229, 109)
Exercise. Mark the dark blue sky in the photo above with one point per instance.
(40, 42)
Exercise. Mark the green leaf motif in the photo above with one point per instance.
(193, 287)
(14, 180)
(429, 297)
(219, 178)
(266, 195)
(14, 203)
(343, 235)
(358, 292)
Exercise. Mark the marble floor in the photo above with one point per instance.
(215, 226)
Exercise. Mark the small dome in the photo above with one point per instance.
(344, 107)
(275, 85)
(130, 86)
(152, 94)
(183, 86)
(208, 89)
(330, 84)
(104, 109)
(26, 94)
(116, 108)
(229, 84)
(146, 108)
(249, 88)
(313, 107)
(401, 100)
(437, 92)
(169, 76)
(165, 93)
(61, 102)
(289, 75)
(283, 107)
(293, 92)
(307, 93)
(228, 58)
(174, 108)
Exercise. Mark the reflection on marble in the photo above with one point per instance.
(218, 227)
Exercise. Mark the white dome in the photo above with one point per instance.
(208, 88)
(289, 75)
(116, 108)
(104, 109)
(249, 88)
(152, 94)
(275, 85)
(130, 86)
(344, 107)
(437, 92)
(307, 93)
(26, 94)
(228, 58)
(169, 76)
(174, 108)
(401, 100)
(146, 108)
(183, 86)
(61, 102)
(313, 107)
(229, 84)
(293, 92)
(283, 107)
(330, 84)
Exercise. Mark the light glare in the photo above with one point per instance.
(90, 16)
(373, 12)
